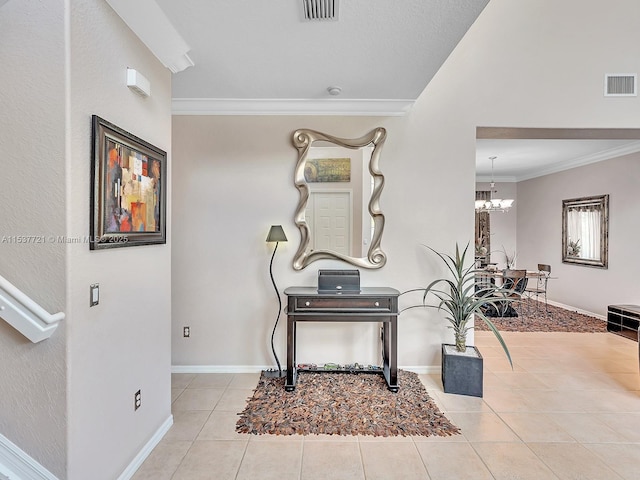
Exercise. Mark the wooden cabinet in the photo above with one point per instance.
(373, 304)
(624, 320)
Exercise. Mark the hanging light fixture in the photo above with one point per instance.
(493, 204)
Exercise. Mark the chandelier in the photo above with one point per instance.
(493, 204)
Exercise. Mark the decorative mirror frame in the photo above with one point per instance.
(303, 140)
(602, 203)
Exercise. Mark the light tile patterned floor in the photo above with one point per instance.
(570, 409)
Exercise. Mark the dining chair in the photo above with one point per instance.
(540, 288)
(515, 283)
(512, 289)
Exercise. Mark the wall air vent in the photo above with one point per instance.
(320, 9)
(620, 85)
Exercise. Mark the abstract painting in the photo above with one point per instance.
(128, 182)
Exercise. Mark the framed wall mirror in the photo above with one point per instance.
(340, 184)
(585, 231)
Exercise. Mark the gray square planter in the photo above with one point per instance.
(462, 372)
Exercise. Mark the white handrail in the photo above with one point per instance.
(25, 315)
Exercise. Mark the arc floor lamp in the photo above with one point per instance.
(276, 234)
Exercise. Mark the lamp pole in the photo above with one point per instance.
(276, 234)
(279, 309)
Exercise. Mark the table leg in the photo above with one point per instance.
(292, 373)
(389, 340)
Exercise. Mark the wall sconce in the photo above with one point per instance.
(138, 83)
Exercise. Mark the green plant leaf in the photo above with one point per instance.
(458, 299)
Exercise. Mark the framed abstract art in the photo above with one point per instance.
(128, 189)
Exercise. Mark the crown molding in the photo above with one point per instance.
(502, 179)
(238, 106)
(609, 154)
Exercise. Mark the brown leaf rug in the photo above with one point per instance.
(534, 318)
(343, 404)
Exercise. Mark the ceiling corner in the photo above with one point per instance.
(147, 20)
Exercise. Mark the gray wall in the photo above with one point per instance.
(540, 232)
(32, 187)
(123, 344)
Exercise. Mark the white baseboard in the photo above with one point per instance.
(574, 309)
(219, 368)
(146, 450)
(15, 464)
(422, 369)
(257, 369)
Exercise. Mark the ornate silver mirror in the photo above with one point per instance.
(340, 183)
(585, 231)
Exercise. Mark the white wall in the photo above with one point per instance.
(235, 178)
(123, 344)
(540, 232)
(32, 189)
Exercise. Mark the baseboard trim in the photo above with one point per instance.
(219, 368)
(256, 369)
(421, 369)
(574, 309)
(16, 464)
(133, 467)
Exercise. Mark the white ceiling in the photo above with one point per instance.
(377, 50)
(522, 159)
(263, 57)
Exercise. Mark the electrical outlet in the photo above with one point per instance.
(137, 400)
(186, 331)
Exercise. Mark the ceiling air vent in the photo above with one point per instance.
(320, 9)
(620, 85)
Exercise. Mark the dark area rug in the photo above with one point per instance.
(532, 319)
(343, 404)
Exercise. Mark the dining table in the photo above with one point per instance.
(491, 274)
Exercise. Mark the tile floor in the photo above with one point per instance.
(570, 409)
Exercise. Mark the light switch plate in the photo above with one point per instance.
(94, 297)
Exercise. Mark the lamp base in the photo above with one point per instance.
(271, 373)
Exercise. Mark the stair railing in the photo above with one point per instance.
(25, 315)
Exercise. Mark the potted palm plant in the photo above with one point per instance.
(509, 259)
(462, 298)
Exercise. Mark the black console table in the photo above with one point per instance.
(373, 304)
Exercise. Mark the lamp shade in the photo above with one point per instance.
(276, 234)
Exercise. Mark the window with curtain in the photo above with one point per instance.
(583, 231)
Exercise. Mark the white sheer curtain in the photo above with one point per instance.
(583, 228)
